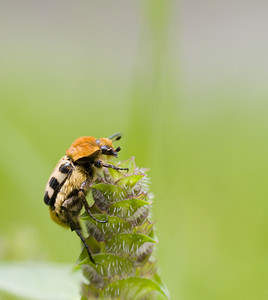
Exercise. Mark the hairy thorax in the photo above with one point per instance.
(73, 183)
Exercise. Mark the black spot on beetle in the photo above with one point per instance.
(74, 192)
(47, 199)
(64, 168)
(53, 183)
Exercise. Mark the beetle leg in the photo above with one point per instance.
(78, 232)
(99, 164)
(87, 207)
(81, 195)
(75, 227)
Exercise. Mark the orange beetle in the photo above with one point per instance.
(70, 181)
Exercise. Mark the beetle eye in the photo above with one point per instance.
(106, 150)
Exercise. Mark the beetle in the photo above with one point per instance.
(69, 183)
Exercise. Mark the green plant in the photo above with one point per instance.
(122, 248)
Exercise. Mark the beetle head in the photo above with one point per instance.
(106, 146)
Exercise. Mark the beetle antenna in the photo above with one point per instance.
(115, 137)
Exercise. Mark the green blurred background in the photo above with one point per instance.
(186, 83)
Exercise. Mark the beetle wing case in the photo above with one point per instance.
(82, 147)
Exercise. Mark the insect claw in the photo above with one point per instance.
(85, 244)
(123, 169)
(99, 221)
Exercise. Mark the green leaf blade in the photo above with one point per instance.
(128, 182)
(102, 231)
(133, 244)
(111, 192)
(133, 210)
(133, 288)
(109, 267)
